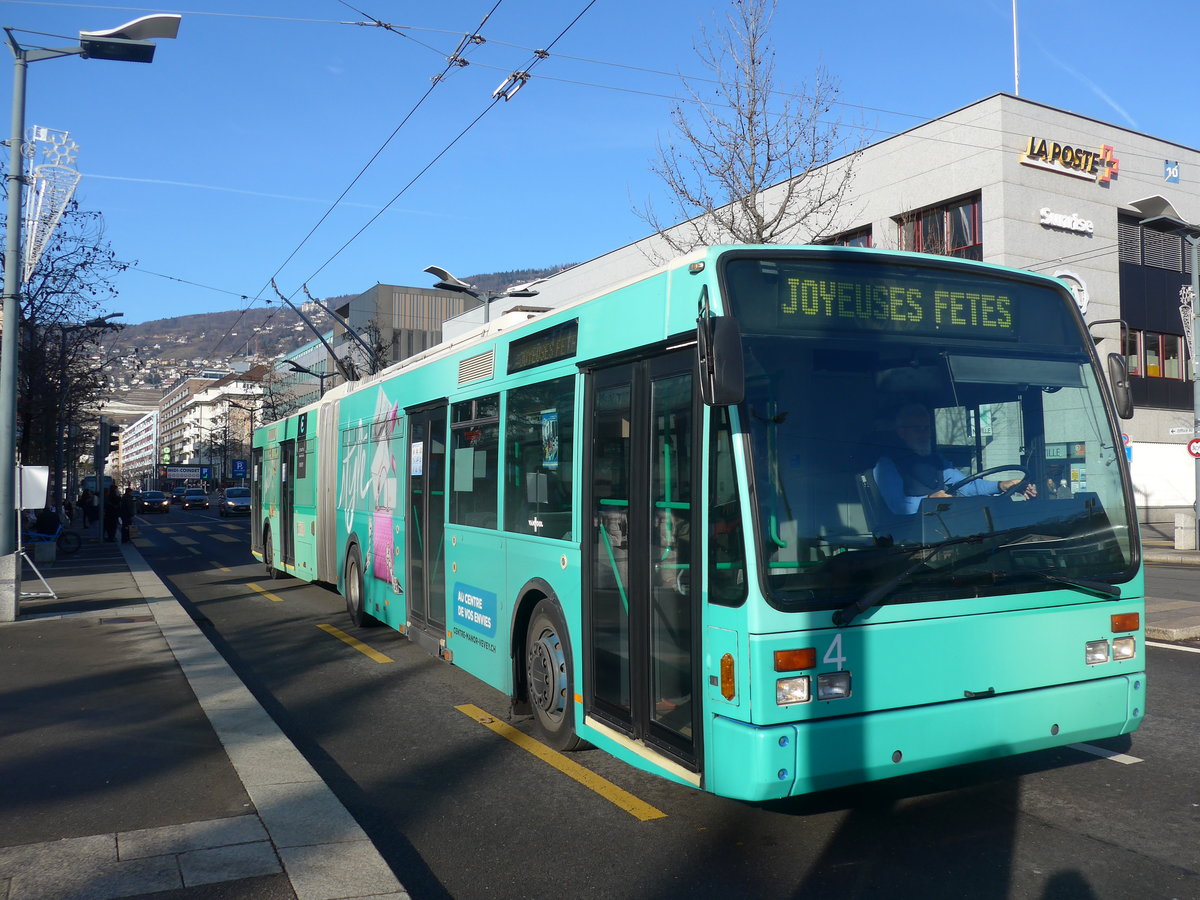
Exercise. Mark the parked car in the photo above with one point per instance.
(235, 501)
(177, 495)
(195, 497)
(153, 502)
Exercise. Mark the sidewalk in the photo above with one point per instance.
(1169, 620)
(133, 760)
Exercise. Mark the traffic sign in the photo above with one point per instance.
(1194, 447)
(1181, 430)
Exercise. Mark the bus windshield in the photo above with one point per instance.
(923, 427)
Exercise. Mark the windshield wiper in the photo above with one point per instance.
(1099, 588)
(879, 594)
(876, 595)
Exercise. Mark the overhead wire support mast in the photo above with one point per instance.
(347, 371)
(372, 356)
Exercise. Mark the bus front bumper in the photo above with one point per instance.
(750, 762)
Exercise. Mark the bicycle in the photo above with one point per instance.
(67, 542)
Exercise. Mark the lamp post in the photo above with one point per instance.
(131, 43)
(320, 376)
(448, 282)
(1194, 240)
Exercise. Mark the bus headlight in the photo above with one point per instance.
(833, 686)
(789, 691)
(1124, 648)
(1096, 652)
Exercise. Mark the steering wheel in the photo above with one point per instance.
(994, 470)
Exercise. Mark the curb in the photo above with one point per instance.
(325, 854)
(1171, 557)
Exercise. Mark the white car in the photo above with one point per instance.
(235, 501)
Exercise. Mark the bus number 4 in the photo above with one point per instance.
(834, 653)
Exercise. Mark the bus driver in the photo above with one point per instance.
(913, 470)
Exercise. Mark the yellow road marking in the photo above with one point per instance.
(193, 550)
(181, 539)
(227, 538)
(272, 597)
(165, 529)
(636, 807)
(219, 566)
(199, 528)
(142, 543)
(356, 644)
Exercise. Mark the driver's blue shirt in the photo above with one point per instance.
(909, 478)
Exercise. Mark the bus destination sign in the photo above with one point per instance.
(546, 346)
(841, 303)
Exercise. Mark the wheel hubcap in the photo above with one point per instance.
(547, 670)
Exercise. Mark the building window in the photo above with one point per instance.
(859, 237)
(952, 229)
(1133, 356)
(1151, 354)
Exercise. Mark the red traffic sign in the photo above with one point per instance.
(1194, 447)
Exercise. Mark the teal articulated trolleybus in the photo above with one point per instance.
(681, 519)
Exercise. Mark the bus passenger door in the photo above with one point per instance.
(256, 498)
(287, 496)
(640, 604)
(426, 515)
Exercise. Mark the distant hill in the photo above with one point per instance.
(228, 334)
(145, 359)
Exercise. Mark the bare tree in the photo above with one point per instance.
(750, 164)
(278, 399)
(60, 365)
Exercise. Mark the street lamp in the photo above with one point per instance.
(320, 376)
(448, 282)
(130, 42)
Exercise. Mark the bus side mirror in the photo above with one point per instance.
(719, 346)
(1118, 378)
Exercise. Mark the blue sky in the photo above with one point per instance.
(212, 164)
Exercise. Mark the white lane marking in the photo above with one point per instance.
(1122, 758)
(1172, 647)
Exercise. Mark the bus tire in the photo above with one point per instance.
(269, 555)
(356, 599)
(548, 677)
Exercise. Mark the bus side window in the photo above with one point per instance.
(538, 439)
(726, 544)
(475, 445)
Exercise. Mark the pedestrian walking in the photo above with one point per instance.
(88, 506)
(128, 509)
(112, 513)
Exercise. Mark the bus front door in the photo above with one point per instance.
(427, 518)
(640, 612)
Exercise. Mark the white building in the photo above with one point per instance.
(1013, 182)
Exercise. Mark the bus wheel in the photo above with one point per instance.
(355, 595)
(269, 556)
(548, 676)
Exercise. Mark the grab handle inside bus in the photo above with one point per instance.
(1118, 377)
(719, 345)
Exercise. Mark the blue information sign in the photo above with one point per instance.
(239, 468)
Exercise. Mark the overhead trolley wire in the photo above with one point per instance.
(450, 64)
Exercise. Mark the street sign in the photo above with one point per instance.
(239, 468)
(1181, 430)
(1194, 447)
